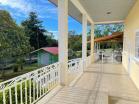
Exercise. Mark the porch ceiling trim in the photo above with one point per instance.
(109, 22)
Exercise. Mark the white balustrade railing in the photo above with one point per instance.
(107, 57)
(96, 57)
(75, 65)
(88, 61)
(30, 87)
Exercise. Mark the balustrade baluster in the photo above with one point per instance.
(30, 91)
(21, 96)
(10, 95)
(4, 100)
(16, 100)
(26, 92)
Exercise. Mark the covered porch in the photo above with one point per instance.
(104, 82)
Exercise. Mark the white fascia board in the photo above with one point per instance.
(109, 22)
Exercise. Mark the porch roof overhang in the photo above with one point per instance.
(101, 11)
(116, 36)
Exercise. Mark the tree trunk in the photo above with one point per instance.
(22, 67)
(15, 69)
(3, 72)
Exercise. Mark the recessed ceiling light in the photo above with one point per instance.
(108, 12)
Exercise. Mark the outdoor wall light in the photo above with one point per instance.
(108, 12)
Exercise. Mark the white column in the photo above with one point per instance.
(84, 39)
(63, 39)
(92, 43)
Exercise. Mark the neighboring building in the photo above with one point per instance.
(46, 55)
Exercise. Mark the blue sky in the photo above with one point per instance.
(47, 12)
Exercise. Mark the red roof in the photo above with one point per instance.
(52, 50)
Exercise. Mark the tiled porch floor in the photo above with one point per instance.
(100, 84)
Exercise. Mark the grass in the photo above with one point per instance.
(31, 67)
(27, 68)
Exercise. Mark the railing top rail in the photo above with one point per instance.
(74, 59)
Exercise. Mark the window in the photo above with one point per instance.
(137, 45)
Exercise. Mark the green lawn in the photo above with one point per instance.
(27, 68)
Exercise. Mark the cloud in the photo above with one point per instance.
(55, 33)
(52, 10)
(46, 11)
(21, 5)
(44, 17)
(26, 6)
(45, 8)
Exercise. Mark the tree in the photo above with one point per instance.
(13, 42)
(97, 31)
(35, 31)
(21, 47)
(51, 42)
(106, 30)
(118, 27)
(74, 44)
(4, 50)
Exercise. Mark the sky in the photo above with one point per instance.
(47, 12)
